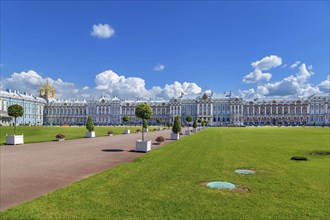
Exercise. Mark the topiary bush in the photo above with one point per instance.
(195, 125)
(90, 124)
(143, 111)
(176, 125)
(189, 119)
(15, 111)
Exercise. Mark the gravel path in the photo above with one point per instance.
(31, 170)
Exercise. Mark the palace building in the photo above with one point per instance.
(217, 110)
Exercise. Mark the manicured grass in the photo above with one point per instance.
(40, 134)
(165, 183)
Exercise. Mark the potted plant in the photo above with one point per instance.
(145, 125)
(15, 111)
(144, 112)
(126, 119)
(60, 137)
(195, 126)
(138, 131)
(159, 121)
(110, 133)
(90, 128)
(160, 139)
(188, 119)
(176, 129)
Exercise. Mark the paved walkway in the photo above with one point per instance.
(31, 170)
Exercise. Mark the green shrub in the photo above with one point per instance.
(15, 111)
(195, 124)
(143, 111)
(176, 125)
(90, 124)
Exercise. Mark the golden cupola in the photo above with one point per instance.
(46, 92)
(41, 91)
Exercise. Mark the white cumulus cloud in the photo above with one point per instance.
(111, 83)
(290, 86)
(256, 76)
(267, 62)
(159, 67)
(176, 89)
(295, 64)
(102, 31)
(324, 86)
(30, 81)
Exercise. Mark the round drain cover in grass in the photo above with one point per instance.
(220, 185)
(244, 171)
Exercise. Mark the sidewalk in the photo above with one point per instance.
(31, 170)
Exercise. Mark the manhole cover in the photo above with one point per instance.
(220, 185)
(245, 171)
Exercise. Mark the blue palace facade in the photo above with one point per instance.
(218, 110)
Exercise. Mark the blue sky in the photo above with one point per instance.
(211, 44)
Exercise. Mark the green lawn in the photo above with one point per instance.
(41, 134)
(165, 183)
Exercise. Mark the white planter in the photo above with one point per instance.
(143, 146)
(145, 130)
(194, 130)
(60, 139)
(14, 139)
(90, 134)
(110, 135)
(187, 132)
(175, 136)
(127, 131)
(159, 129)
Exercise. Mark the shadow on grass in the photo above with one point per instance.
(112, 150)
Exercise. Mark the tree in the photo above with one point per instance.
(144, 112)
(202, 123)
(199, 120)
(195, 124)
(168, 124)
(90, 124)
(126, 119)
(15, 111)
(189, 119)
(176, 125)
